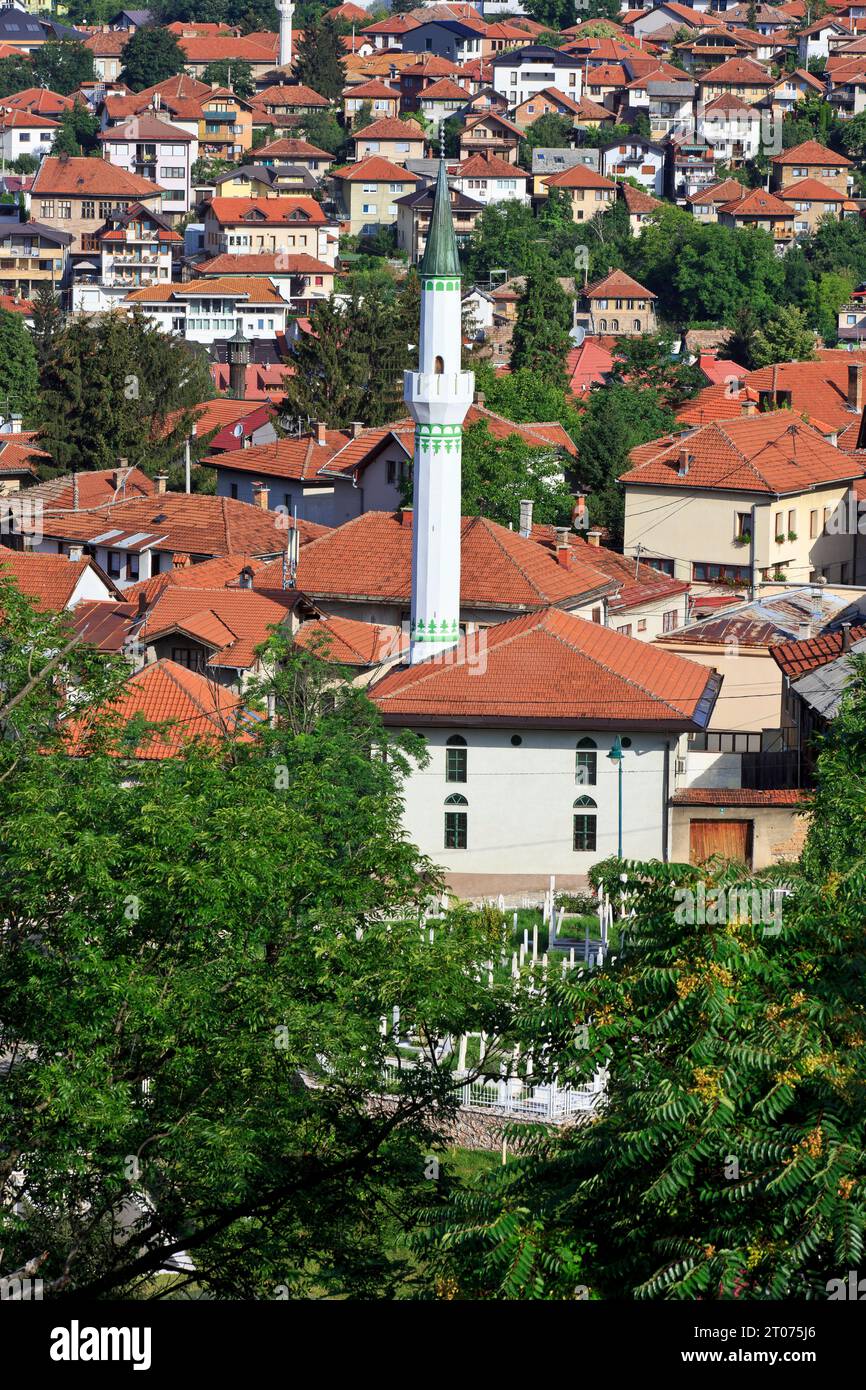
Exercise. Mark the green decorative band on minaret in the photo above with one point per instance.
(446, 630)
(442, 285)
(440, 438)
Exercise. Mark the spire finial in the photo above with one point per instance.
(441, 139)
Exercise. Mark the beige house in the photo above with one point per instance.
(617, 305)
(738, 77)
(380, 97)
(741, 503)
(811, 160)
(589, 191)
(757, 208)
(392, 139)
(811, 200)
(77, 195)
(369, 192)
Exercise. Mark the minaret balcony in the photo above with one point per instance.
(441, 397)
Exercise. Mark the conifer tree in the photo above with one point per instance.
(541, 340)
(319, 60)
(19, 376)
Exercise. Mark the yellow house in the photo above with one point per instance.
(740, 77)
(369, 192)
(811, 160)
(588, 191)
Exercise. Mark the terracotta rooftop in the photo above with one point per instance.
(375, 169)
(774, 453)
(756, 202)
(810, 653)
(636, 200)
(300, 458)
(390, 128)
(251, 288)
(286, 209)
(552, 667)
(638, 583)
(578, 176)
(50, 580)
(617, 284)
(370, 557)
(293, 149)
(812, 152)
(722, 192)
(80, 178)
(445, 89)
(489, 166)
(738, 796)
(349, 642)
(295, 94)
(739, 72)
(188, 704)
(193, 524)
(94, 488)
(233, 622)
(815, 190)
(268, 263)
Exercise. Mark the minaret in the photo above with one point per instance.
(286, 10)
(438, 396)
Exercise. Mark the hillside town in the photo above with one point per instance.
(432, 482)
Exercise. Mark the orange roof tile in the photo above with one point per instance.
(814, 189)
(192, 523)
(233, 622)
(293, 149)
(812, 152)
(739, 72)
(294, 94)
(617, 283)
(349, 642)
(82, 178)
(375, 169)
(93, 487)
(756, 202)
(269, 211)
(579, 177)
(552, 667)
(390, 128)
(489, 166)
(285, 458)
(50, 580)
(254, 289)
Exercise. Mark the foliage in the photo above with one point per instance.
(526, 396)
(541, 334)
(63, 66)
(15, 74)
(319, 60)
(233, 73)
(555, 15)
(159, 938)
(785, 337)
(78, 132)
(497, 474)
(47, 321)
(114, 387)
(19, 377)
(555, 132)
(647, 362)
(151, 56)
(323, 129)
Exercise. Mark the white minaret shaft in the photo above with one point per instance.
(286, 10)
(438, 396)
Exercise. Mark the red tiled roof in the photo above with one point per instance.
(615, 284)
(799, 658)
(719, 192)
(193, 523)
(489, 166)
(253, 289)
(738, 796)
(551, 667)
(94, 488)
(222, 47)
(740, 72)
(293, 149)
(263, 263)
(49, 580)
(638, 583)
(38, 99)
(234, 622)
(578, 176)
(349, 642)
(812, 152)
(636, 200)
(374, 88)
(371, 557)
(81, 178)
(284, 95)
(285, 458)
(773, 453)
(756, 202)
(228, 212)
(814, 189)
(390, 128)
(445, 89)
(25, 120)
(375, 169)
(190, 705)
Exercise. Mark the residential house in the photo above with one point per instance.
(443, 99)
(738, 77)
(490, 133)
(618, 305)
(242, 226)
(369, 193)
(588, 191)
(642, 207)
(811, 160)
(388, 33)
(489, 179)
(299, 278)
(637, 158)
(24, 133)
(76, 195)
(263, 180)
(154, 149)
(395, 140)
(706, 202)
(107, 49)
(548, 159)
(56, 582)
(285, 102)
(226, 127)
(415, 210)
(524, 72)
(812, 200)
(31, 254)
(731, 128)
(288, 474)
(39, 101)
(297, 152)
(136, 247)
(379, 97)
(260, 50)
(791, 88)
(756, 208)
(580, 111)
(211, 310)
(746, 501)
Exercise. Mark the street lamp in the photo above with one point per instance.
(616, 756)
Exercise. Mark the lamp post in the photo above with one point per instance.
(616, 756)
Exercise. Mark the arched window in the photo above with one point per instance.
(584, 824)
(439, 366)
(456, 817)
(455, 759)
(614, 325)
(586, 763)
(636, 325)
(602, 325)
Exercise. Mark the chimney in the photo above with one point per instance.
(750, 408)
(593, 537)
(683, 463)
(319, 428)
(479, 398)
(563, 547)
(161, 480)
(525, 518)
(142, 604)
(245, 578)
(846, 637)
(406, 517)
(355, 428)
(578, 511)
(855, 385)
(76, 553)
(804, 629)
(261, 493)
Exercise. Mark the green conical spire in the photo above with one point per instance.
(440, 254)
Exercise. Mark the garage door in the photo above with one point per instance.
(731, 839)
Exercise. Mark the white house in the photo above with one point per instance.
(637, 158)
(522, 73)
(136, 248)
(489, 179)
(155, 149)
(23, 132)
(210, 311)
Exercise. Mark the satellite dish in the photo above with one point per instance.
(238, 431)
(577, 334)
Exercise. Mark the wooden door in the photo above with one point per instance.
(730, 839)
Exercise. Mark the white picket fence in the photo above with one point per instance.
(519, 1099)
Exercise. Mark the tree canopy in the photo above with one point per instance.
(151, 56)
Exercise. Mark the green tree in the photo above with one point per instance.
(15, 75)
(151, 56)
(78, 132)
(47, 321)
(526, 396)
(236, 74)
(62, 66)
(615, 421)
(117, 387)
(319, 60)
(496, 474)
(555, 15)
(551, 131)
(541, 334)
(323, 129)
(168, 945)
(648, 362)
(784, 337)
(19, 376)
